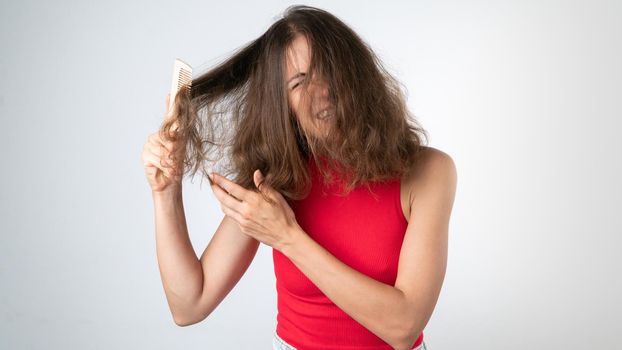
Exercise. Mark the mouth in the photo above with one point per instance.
(325, 113)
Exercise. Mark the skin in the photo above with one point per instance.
(298, 57)
(397, 314)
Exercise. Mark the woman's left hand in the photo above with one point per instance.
(270, 222)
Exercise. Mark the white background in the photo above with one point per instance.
(524, 95)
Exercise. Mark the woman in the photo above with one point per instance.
(329, 170)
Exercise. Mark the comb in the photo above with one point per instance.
(182, 77)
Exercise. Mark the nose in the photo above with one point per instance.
(321, 90)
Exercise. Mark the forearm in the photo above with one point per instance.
(377, 306)
(180, 269)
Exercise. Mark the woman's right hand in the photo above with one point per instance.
(161, 173)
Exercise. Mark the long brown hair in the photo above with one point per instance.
(238, 112)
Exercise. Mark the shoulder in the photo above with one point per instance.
(434, 171)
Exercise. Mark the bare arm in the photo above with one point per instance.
(397, 314)
(180, 270)
(194, 287)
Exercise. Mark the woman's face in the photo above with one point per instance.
(314, 111)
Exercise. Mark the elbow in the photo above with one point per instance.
(406, 338)
(184, 321)
(190, 315)
(405, 343)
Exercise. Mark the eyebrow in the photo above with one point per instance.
(299, 74)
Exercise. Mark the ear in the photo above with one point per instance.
(263, 187)
(258, 178)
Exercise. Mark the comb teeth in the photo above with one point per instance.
(185, 78)
(182, 77)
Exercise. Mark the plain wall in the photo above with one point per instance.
(524, 95)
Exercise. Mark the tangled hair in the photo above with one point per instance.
(240, 109)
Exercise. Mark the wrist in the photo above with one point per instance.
(294, 239)
(170, 193)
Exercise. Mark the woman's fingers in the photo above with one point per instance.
(157, 141)
(164, 158)
(151, 159)
(158, 149)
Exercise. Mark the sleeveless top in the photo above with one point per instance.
(364, 231)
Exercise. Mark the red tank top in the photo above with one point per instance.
(363, 230)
